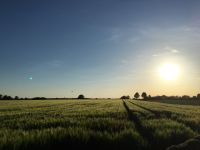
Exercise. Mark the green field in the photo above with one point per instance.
(129, 124)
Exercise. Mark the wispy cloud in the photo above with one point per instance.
(115, 34)
(172, 50)
(49, 65)
(172, 34)
(55, 63)
(124, 61)
(134, 39)
(175, 51)
(165, 51)
(123, 34)
(155, 55)
(114, 37)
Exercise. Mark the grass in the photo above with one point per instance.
(52, 124)
(129, 124)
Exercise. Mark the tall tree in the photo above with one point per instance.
(137, 95)
(144, 95)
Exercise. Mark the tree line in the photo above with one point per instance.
(7, 97)
(145, 96)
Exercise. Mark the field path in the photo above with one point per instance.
(169, 115)
(147, 136)
(159, 128)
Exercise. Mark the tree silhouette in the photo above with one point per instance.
(16, 97)
(137, 95)
(185, 97)
(198, 96)
(144, 95)
(10, 98)
(149, 97)
(36, 98)
(0, 96)
(81, 96)
(5, 97)
(125, 97)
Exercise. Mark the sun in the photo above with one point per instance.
(169, 71)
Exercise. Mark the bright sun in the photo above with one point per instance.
(169, 71)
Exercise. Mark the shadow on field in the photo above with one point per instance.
(93, 144)
(138, 125)
(169, 115)
(179, 102)
(155, 133)
(156, 113)
(72, 144)
(191, 144)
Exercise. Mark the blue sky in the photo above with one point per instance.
(104, 48)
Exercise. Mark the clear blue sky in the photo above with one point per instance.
(100, 48)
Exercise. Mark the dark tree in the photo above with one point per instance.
(185, 97)
(81, 96)
(198, 96)
(36, 98)
(5, 97)
(144, 95)
(16, 97)
(137, 95)
(149, 97)
(10, 98)
(0, 96)
(194, 97)
(125, 97)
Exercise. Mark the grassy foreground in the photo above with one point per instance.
(130, 124)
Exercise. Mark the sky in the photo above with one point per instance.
(99, 48)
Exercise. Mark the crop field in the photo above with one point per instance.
(128, 124)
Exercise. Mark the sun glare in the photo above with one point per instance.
(169, 71)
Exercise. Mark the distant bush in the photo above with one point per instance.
(16, 97)
(38, 98)
(198, 96)
(81, 96)
(6, 97)
(185, 97)
(125, 97)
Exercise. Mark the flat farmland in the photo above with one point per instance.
(128, 124)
